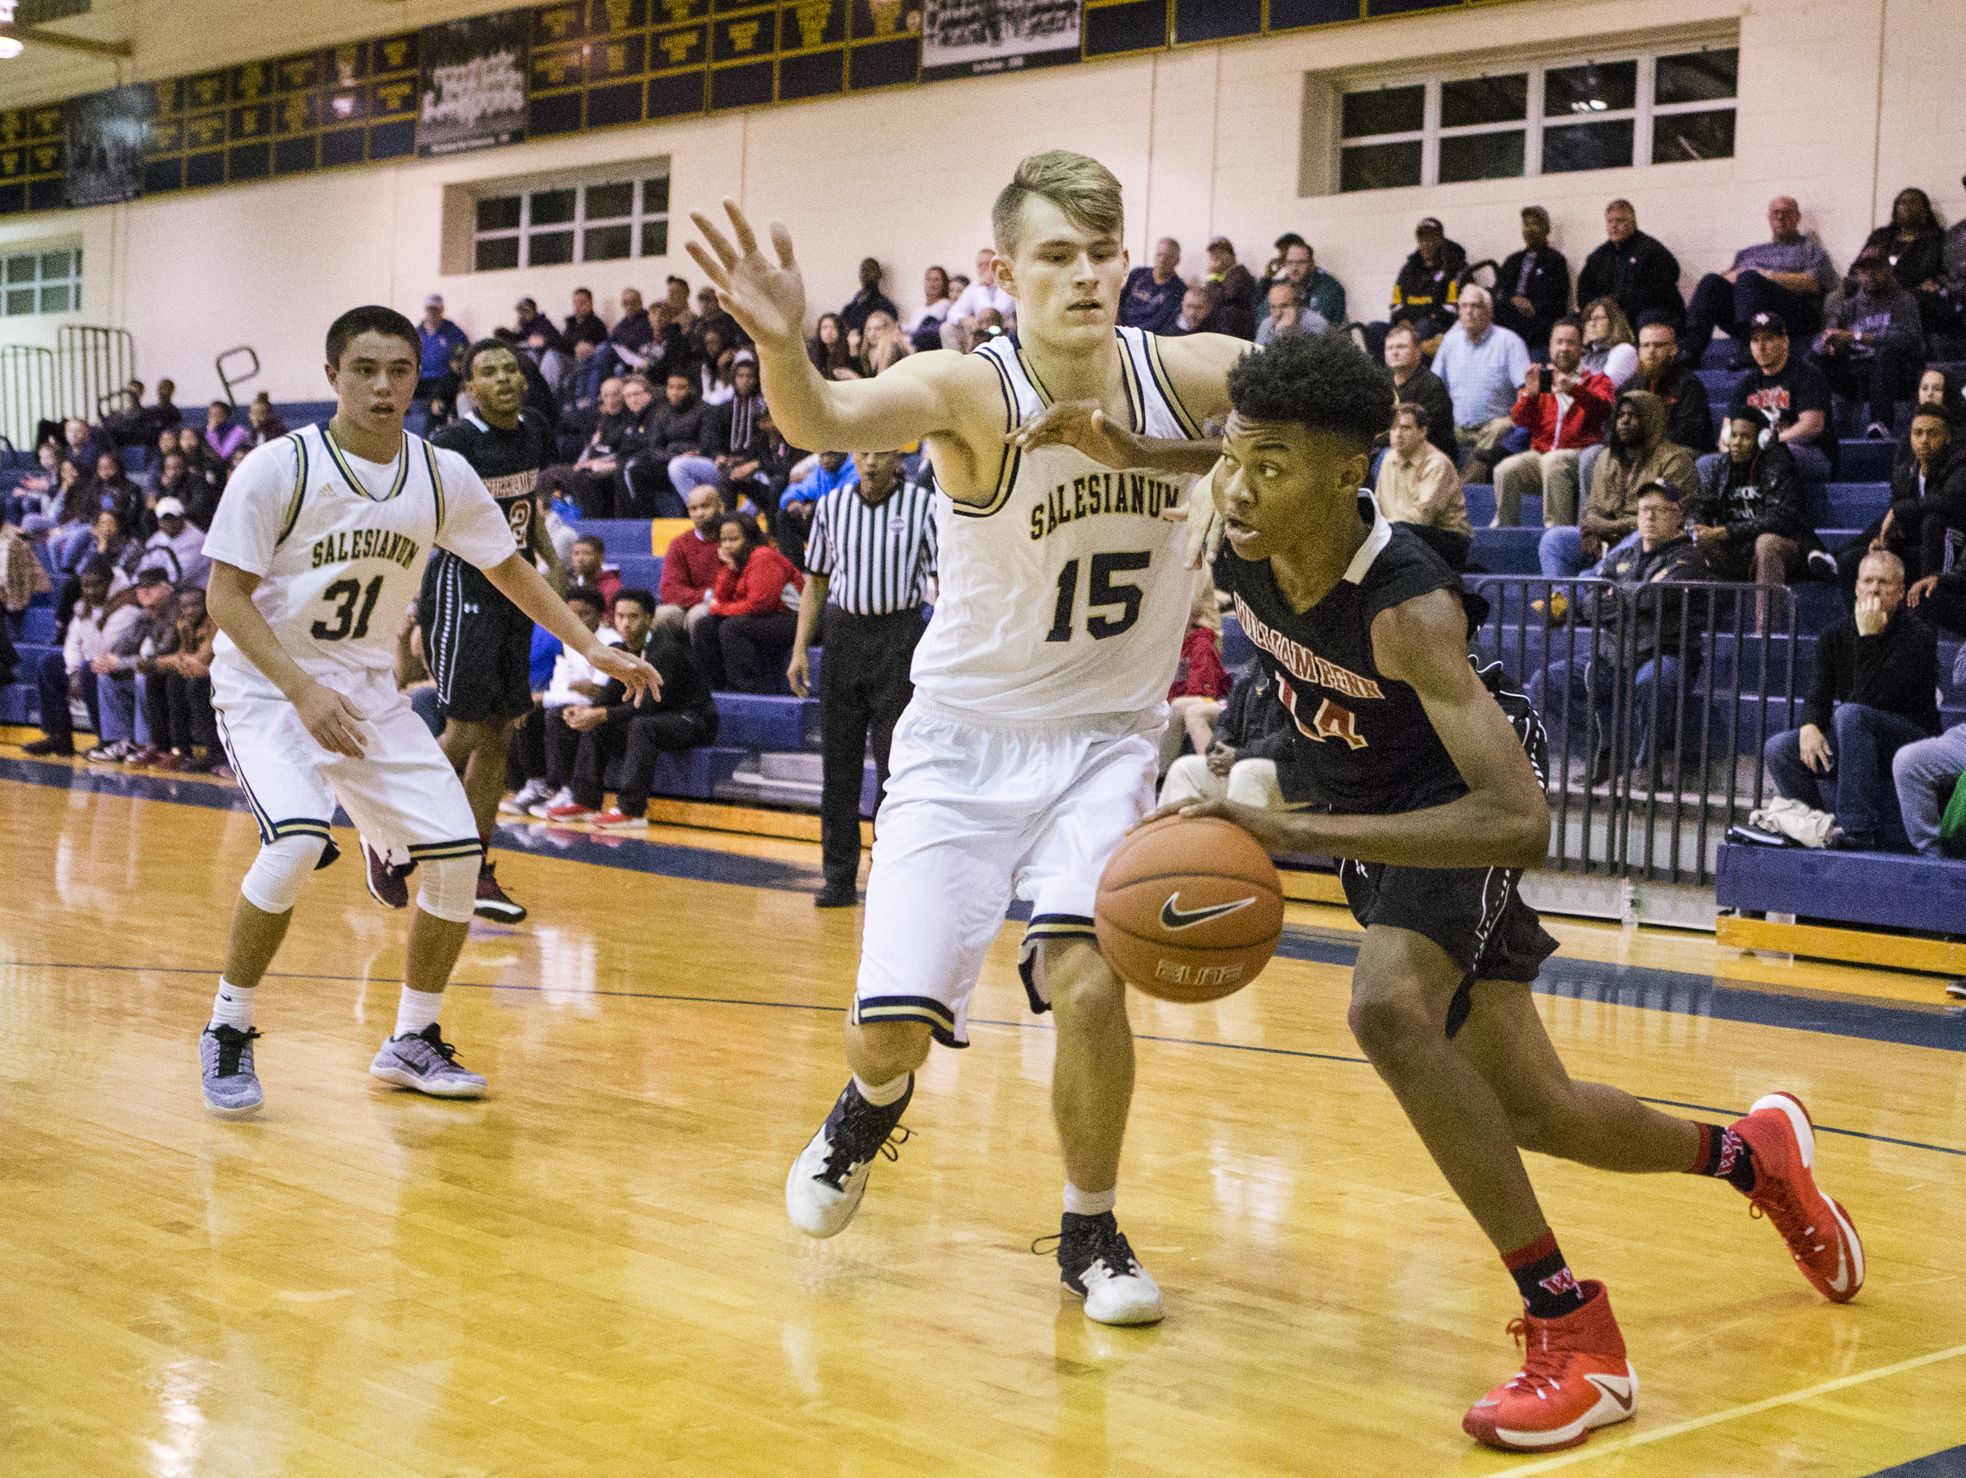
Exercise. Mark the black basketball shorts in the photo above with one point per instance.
(478, 645)
(1474, 914)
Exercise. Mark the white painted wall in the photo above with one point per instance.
(1841, 102)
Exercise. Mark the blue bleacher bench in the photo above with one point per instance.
(1879, 889)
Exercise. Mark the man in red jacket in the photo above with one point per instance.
(1564, 410)
(690, 564)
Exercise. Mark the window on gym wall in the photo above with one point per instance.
(592, 221)
(40, 281)
(1557, 117)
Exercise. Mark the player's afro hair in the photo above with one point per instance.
(1321, 382)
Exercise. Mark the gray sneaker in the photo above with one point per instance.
(231, 1085)
(426, 1062)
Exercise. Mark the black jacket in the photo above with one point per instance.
(1765, 497)
(1252, 721)
(1937, 520)
(1922, 259)
(676, 429)
(1424, 296)
(1548, 289)
(1689, 414)
(1428, 389)
(1639, 272)
(684, 691)
(1896, 671)
(1653, 622)
(719, 422)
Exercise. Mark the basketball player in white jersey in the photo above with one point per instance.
(319, 541)
(1040, 685)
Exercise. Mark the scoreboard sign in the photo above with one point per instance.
(575, 65)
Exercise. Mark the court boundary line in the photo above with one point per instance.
(1733, 1413)
(677, 998)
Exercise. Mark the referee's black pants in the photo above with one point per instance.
(863, 687)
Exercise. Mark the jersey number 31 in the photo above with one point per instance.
(348, 597)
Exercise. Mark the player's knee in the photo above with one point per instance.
(448, 888)
(1389, 1023)
(1082, 987)
(881, 1051)
(1542, 1124)
(273, 883)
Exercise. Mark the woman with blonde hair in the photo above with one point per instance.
(1610, 346)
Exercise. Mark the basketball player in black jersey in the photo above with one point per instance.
(478, 645)
(1424, 774)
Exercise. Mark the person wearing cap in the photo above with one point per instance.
(1532, 290)
(1789, 274)
(178, 544)
(1631, 267)
(437, 339)
(1636, 451)
(122, 673)
(1748, 515)
(1788, 396)
(1152, 296)
(1232, 280)
(1427, 290)
(1647, 637)
(1872, 345)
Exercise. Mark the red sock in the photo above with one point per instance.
(1549, 1289)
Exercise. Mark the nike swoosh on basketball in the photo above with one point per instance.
(1173, 916)
(1618, 1390)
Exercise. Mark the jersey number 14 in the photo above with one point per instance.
(1331, 721)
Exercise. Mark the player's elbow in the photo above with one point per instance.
(1526, 833)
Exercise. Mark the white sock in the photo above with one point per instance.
(416, 1010)
(1089, 1203)
(232, 1006)
(880, 1095)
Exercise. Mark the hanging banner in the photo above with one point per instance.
(105, 145)
(973, 38)
(474, 83)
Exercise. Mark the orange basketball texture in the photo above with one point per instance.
(1189, 909)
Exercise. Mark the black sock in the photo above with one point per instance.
(1725, 1156)
(1549, 1289)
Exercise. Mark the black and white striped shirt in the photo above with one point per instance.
(876, 560)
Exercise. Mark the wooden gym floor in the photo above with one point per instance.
(591, 1270)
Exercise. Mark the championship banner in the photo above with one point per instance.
(474, 83)
(973, 38)
(105, 145)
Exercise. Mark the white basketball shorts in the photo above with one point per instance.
(402, 794)
(976, 814)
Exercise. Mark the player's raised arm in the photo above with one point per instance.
(766, 295)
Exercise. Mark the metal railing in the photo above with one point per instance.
(1657, 702)
(94, 364)
(27, 391)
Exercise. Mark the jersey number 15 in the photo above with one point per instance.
(1104, 592)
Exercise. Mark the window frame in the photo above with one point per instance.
(41, 283)
(1533, 125)
(638, 219)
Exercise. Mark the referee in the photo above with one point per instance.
(869, 560)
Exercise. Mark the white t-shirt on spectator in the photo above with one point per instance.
(570, 668)
(928, 313)
(976, 298)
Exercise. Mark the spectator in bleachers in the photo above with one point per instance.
(105, 608)
(1788, 397)
(1415, 384)
(1748, 516)
(186, 675)
(1637, 454)
(1151, 298)
(1198, 303)
(82, 442)
(1641, 635)
(544, 764)
(37, 491)
(690, 564)
(827, 348)
(1317, 289)
(221, 435)
(924, 328)
(1913, 243)
(1201, 683)
(1632, 268)
(1286, 314)
(587, 569)
(179, 545)
(796, 504)
(583, 324)
(1925, 774)
(200, 460)
(124, 427)
(123, 670)
(710, 314)
(1873, 692)
(163, 415)
(1927, 478)
(74, 513)
(1610, 346)
(680, 715)
(1939, 594)
(1872, 345)
(714, 385)
(869, 297)
(1936, 387)
(1532, 288)
(736, 444)
(113, 491)
(439, 340)
(877, 344)
(977, 297)
(1482, 365)
(744, 642)
(263, 423)
(1789, 274)
(1426, 293)
(676, 299)
(1661, 370)
(631, 342)
(1239, 762)
(1419, 485)
(674, 429)
(590, 480)
(1232, 280)
(1949, 314)
(1564, 409)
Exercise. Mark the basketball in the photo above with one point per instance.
(1189, 909)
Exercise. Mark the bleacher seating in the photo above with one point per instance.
(1872, 889)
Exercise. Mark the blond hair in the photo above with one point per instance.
(1079, 185)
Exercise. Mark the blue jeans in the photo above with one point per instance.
(121, 715)
(1561, 553)
(1580, 686)
(1858, 790)
(688, 473)
(1925, 774)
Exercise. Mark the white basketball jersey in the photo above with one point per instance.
(339, 545)
(1068, 594)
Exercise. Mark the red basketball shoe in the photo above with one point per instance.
(1574, 1377)
(1820, 1235)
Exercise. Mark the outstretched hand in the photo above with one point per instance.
(1084, 425)
(1270, 828)
(640, 679)
(766, 297)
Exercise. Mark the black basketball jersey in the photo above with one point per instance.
(509, 462)
(1360, 742)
